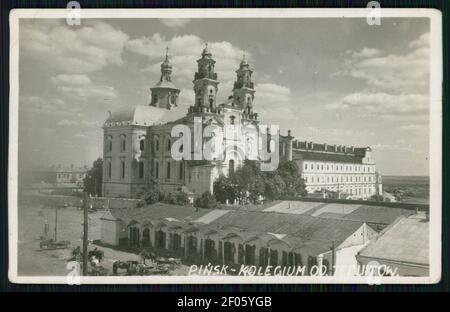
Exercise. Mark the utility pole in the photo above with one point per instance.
(85, 234)
(56, 223)
(333, 257)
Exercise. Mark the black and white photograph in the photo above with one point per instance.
(225, 146)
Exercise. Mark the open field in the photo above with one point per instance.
(409, 189)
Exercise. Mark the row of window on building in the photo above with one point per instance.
(353, 190)
(69, 176)
(123, 144)
(338, 167)
(339, 179)
(169, 168)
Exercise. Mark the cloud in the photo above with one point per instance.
(414, 127)
(66, 122)
(81, 80)
(397, 146)
(72, 49)
(364, 53)
(81, 136)
(79, 122)
(184, 52)
(382, 103)
(55, 106)
(186, 98)
(397, 72)
(268, 97)
(175, 22)
(81, 86)
(396, 84)
(422, 42)
(272, 93)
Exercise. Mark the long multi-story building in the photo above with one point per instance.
(348, 172)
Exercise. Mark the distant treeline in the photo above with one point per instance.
(406, 180)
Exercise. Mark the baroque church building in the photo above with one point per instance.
(138, 142)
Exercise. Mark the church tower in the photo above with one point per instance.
(243, 92)
(164, 94)
(205, 82)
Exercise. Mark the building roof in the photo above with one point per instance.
(378, 214)
(158, 211)
(69, 169)
(371, 214)
(304, 227)
(165, 84)
(407, 240)
(322, 147)
(310, 228)
(144, 115)
(326, 152)
(327, 157)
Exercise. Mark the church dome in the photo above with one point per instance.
(206, 51)
(244, 61)
(166, 63)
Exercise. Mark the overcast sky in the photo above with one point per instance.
(338, 81)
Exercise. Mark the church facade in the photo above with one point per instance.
(138, 141)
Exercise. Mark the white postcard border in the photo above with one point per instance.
(435, 147)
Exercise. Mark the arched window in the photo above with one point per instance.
(168, 171)
(109, 145)
(123, 143)
(156, 143)
(109, 170)
(169, 144)
(232, 120)
(142, 145)
(154, 99)
(141, 170)
(181, 173)
(122, 169)
(231, 166)
(173, 99)
(156, 169)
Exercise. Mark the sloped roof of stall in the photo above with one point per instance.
(158, 211)
(309, 227)
(407, 240)
(301, 226)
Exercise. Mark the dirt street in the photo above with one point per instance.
(35, 262)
